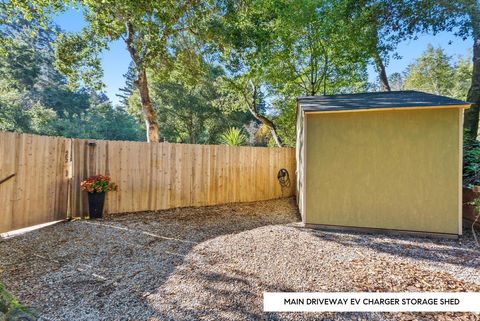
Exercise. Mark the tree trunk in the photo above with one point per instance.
(267, 122)
(153, 130)
(472, 114)
(252, 107)
(382, 73)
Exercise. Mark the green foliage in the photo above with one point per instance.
(127, 90)
(431, 72)
(285, 120)
(460, 16)
(210, 62)
(462, 77)
(184, 99)
(148, 28)
(396, 81)
(101, 122)
(471, 162)
(77, 56)
(12, 116)
(315, 50)
(434, 72)
(13, 310)
(35, 98)
(7, 301)
(233, 137)
(278, 50)
(476, 204)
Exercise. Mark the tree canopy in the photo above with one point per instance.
(148, 29)
(194, 62)
(436, 72)
(35, 97)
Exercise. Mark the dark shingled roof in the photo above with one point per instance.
(376, 100)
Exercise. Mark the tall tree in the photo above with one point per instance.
(431, 72)
(146, 27)
(463, 76)
(127, 90)
(468, 13)
(316, 51)
(436, 72)
(462, 17)
(34, 97)
(377, 17)
(296, 47)
(245, 92)
(242, 32)
(374, 19)
(32, 91)
(184, 95)
(383, 24)
(396, 81)
(472, 114)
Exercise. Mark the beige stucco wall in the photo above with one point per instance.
(394, 169)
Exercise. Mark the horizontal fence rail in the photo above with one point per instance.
(150, 176)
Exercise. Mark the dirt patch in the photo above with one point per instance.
(214, 263)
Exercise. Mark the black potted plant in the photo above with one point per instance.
(96, 187)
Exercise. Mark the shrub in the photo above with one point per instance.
(471, 162)
(233, 137)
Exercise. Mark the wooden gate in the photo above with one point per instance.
(34, 171)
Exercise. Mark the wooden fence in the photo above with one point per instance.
(150, 176)
(37, 193)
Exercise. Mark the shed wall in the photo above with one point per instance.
(384, 169)
(300, 155)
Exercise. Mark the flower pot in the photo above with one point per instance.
(95, 204)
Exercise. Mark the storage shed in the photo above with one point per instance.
(386, 160)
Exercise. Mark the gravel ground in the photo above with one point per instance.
(214, 263)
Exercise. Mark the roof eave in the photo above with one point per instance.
(463, 106)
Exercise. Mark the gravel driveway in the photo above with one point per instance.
(214, 263)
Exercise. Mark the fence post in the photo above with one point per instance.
(92, 164)
(69, 174)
